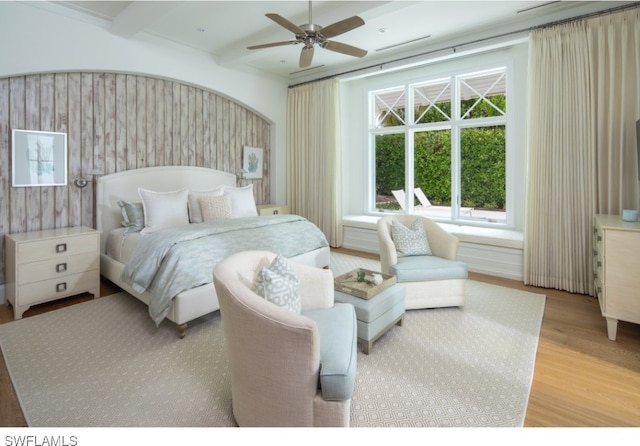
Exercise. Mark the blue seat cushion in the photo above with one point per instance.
(426, 268)
(338, 350)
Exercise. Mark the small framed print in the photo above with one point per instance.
(252, 163)
(38, 158)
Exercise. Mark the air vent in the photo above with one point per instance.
(544, 5)
(403, 43)
(306, 70)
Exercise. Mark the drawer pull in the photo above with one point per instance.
(61, 267)
(61, 287)
(62, 247)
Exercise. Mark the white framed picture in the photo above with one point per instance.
(38, 158)
(252, 162)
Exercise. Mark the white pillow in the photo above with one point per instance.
(164, 209)
(243, 203)
(195, 212)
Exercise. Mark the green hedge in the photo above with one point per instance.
(483, 166)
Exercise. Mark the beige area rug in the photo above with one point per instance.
(104, 363)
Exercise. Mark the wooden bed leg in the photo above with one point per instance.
(182, 330)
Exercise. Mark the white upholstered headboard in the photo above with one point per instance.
(124, 186)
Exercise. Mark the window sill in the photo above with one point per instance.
(505, 238)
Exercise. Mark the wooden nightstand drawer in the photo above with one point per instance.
(57, 247)
(49, 269)
(57, 288)
(46, 290)
(272, 209)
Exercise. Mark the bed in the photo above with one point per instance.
(163, 188)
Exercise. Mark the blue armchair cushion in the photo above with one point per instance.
(338, 350)
(425, 268)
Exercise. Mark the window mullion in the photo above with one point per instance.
(409, 149)
(455, 148)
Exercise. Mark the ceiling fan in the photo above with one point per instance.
(311, 34)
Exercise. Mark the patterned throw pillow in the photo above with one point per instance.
(411, 241)
(215, 208)
(278, 284)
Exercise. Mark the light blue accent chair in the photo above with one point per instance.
(431, 281)
(287, 369)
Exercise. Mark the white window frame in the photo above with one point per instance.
(455, 125)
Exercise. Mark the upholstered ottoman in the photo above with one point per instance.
(376, 315)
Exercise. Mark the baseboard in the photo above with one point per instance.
(484, 259)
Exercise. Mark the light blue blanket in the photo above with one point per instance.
(174, 260)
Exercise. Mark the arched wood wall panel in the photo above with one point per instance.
(116, 122)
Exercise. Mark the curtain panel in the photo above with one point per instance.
(314, 172)
(584, 100)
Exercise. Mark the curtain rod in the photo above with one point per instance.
(484, 39)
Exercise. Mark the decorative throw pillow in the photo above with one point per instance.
(243, 203)
(215, 208)
(278, 284)
(164, 209)
(195, 213)
(132, 216)
(411, 241)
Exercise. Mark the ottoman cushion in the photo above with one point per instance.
(368, 310)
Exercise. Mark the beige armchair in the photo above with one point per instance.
(287, 369)
(438, 280)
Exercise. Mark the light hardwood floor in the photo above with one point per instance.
(581, 379)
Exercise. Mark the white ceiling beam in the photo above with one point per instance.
(138, 15)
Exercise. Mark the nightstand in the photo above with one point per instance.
(272, 209)
(42, 266)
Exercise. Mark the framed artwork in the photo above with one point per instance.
(252, 163)
(38, 158)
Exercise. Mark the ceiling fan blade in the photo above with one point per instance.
(269, 45)
(286, 24)
(343, 48)
(306, 56)
(341, 27)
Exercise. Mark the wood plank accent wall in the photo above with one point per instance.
(116, 122)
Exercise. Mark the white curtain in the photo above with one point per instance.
(314, 173)
(584, 100)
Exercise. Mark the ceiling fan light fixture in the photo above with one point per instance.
(311, 34)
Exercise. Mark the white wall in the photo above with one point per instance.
(34, 39)
(354, 110)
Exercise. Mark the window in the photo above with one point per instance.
(445, 141)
